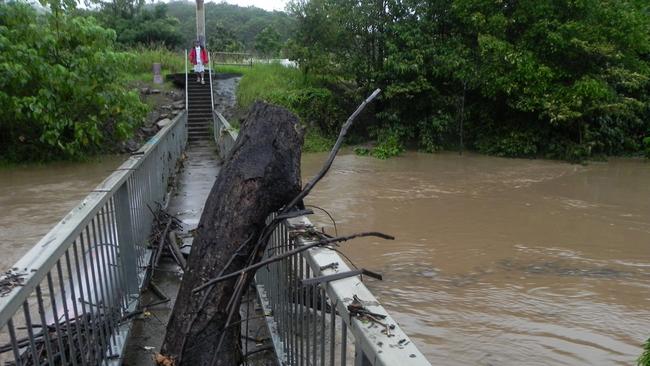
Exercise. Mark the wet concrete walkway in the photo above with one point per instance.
(193, 183)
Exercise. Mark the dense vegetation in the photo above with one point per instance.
(231, 28)
(138, 25)
(62, 93)
(288, 87)
(553, 78)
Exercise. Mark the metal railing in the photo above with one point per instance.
(210, 77)
(70, 298)
(233, 59)
(186, 85)
(303, 319)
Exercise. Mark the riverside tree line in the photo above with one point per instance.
(563, 79)
(522, 78)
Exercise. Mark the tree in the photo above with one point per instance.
(61, 92)
(145, 27)
(267, 42)
(260, 175)
(242, 23)
(560, 79)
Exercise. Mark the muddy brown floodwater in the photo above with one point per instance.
(34, 198)
(501, 261)
(496, 262)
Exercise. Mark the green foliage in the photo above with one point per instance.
(223, 39)
(142, 26)
(644, 359)
(230, 28)
(144, 57)
(267, 42)
(60, 87)
(646, 143)
(567, 79)
(389, 143)
(361, 151)
(316, 106)
(315, 142)
(511, 144)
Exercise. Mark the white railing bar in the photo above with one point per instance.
(42, 257)
(210, 76)
(186, 86)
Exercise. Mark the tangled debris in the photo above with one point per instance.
(9, 281)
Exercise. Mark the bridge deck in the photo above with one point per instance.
(193, 184)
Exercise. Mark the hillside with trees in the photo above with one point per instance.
(232, 28)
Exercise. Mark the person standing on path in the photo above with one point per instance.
(198, 58)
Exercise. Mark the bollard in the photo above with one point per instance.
(157, 77)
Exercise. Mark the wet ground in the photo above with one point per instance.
(194, 181)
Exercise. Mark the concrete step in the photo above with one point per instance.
(206, 111)
(200, 98)
(199, 126)
(206, 137)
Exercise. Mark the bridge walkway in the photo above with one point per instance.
(200, 168)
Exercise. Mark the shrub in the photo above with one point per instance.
(389, 143)
(60, 92)
(512, 144)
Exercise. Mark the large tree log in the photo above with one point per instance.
(260, 175)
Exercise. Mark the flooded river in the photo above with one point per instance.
(34, 198)
(501, 261)
(496, 261)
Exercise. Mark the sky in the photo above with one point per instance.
(264, 4)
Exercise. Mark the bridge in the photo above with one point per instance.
(72, 299)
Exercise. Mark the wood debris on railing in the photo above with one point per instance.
(9, 281)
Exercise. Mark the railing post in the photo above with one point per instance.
(127, 255)
(360, 358)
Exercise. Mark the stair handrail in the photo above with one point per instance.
(186, 86)
(210, 76)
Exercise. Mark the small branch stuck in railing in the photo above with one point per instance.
(319, 243)
(9, 281)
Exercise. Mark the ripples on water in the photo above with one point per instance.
(34, 198)
(502, 261)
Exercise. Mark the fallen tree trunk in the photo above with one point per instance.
(259, 176)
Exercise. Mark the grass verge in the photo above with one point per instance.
(289, 88)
